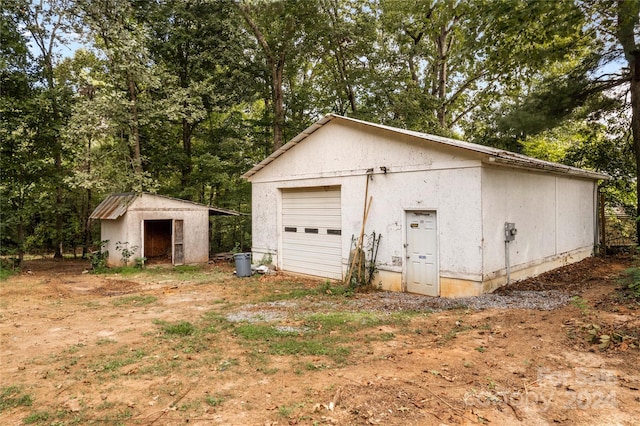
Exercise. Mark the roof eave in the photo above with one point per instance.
(538, 165)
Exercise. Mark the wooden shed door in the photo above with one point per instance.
(312, 231)
(422, 253)
(178, 242)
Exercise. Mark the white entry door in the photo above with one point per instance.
(422, 253)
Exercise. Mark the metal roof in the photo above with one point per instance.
(495, 155)
(115, 205)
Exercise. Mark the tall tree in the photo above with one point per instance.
(122, 39)
(199, 47)
(627, 31)
(20, 160)
(455, 58)
(280, 29)
(47, 23)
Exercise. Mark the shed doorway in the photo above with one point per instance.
(422, 253)
(157, 241)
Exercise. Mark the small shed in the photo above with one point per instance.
(456, 219)
(156, 227)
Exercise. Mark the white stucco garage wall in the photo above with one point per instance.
(554, 216)
(472, 189)
(440, 180)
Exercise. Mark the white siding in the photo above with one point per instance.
(471, 197)
(553, 215)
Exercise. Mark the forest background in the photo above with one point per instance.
(182, 97)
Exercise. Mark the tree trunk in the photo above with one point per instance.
(442, 77)
(87, 227)
(276, 67)
(20, 232)
(58, 209)
(186, 146)
(277, 73)
(635, 128)
(135, 131)
(628, 17)
(57, 161)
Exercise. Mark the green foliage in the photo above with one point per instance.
(125, 251)
(214, 401)
(12, 397)
(180, 328)
(139, 262)
(136, 300)
(182, 98)
(37, 417)
(632, 280)
(8, 267)
(99, 257)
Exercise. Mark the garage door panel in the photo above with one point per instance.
(311, 220)
(317, 251)
(292, 249)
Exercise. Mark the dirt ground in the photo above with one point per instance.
(79, 348)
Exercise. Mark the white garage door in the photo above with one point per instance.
(312, 232)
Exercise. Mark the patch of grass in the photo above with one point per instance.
(5, 273)
(12, 397)
(309, 366)
(286, 411)
(386, 337)
(137, 300)
(117, 418)
(292, 343)
(121, 359)
(214, 321)
(37, 417)
(268, 371)
(189, 338)
(75, 348)
(296, 293)
(227, 364)
(180, 328)
(105, 341)
(214, 400)
(187, 269)
(345, 321)
(581, 304)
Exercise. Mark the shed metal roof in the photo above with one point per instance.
(115, 205)
(494, 155)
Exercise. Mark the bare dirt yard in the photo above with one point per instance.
(169, 346)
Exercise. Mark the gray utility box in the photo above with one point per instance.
(510, 231)
(243, 264)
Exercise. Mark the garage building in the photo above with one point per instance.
(456, 219)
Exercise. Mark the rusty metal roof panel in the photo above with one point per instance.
(114, 206)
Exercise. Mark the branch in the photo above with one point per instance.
(464, 87)
(245, 11)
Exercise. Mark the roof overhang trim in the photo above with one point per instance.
(494, 155)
